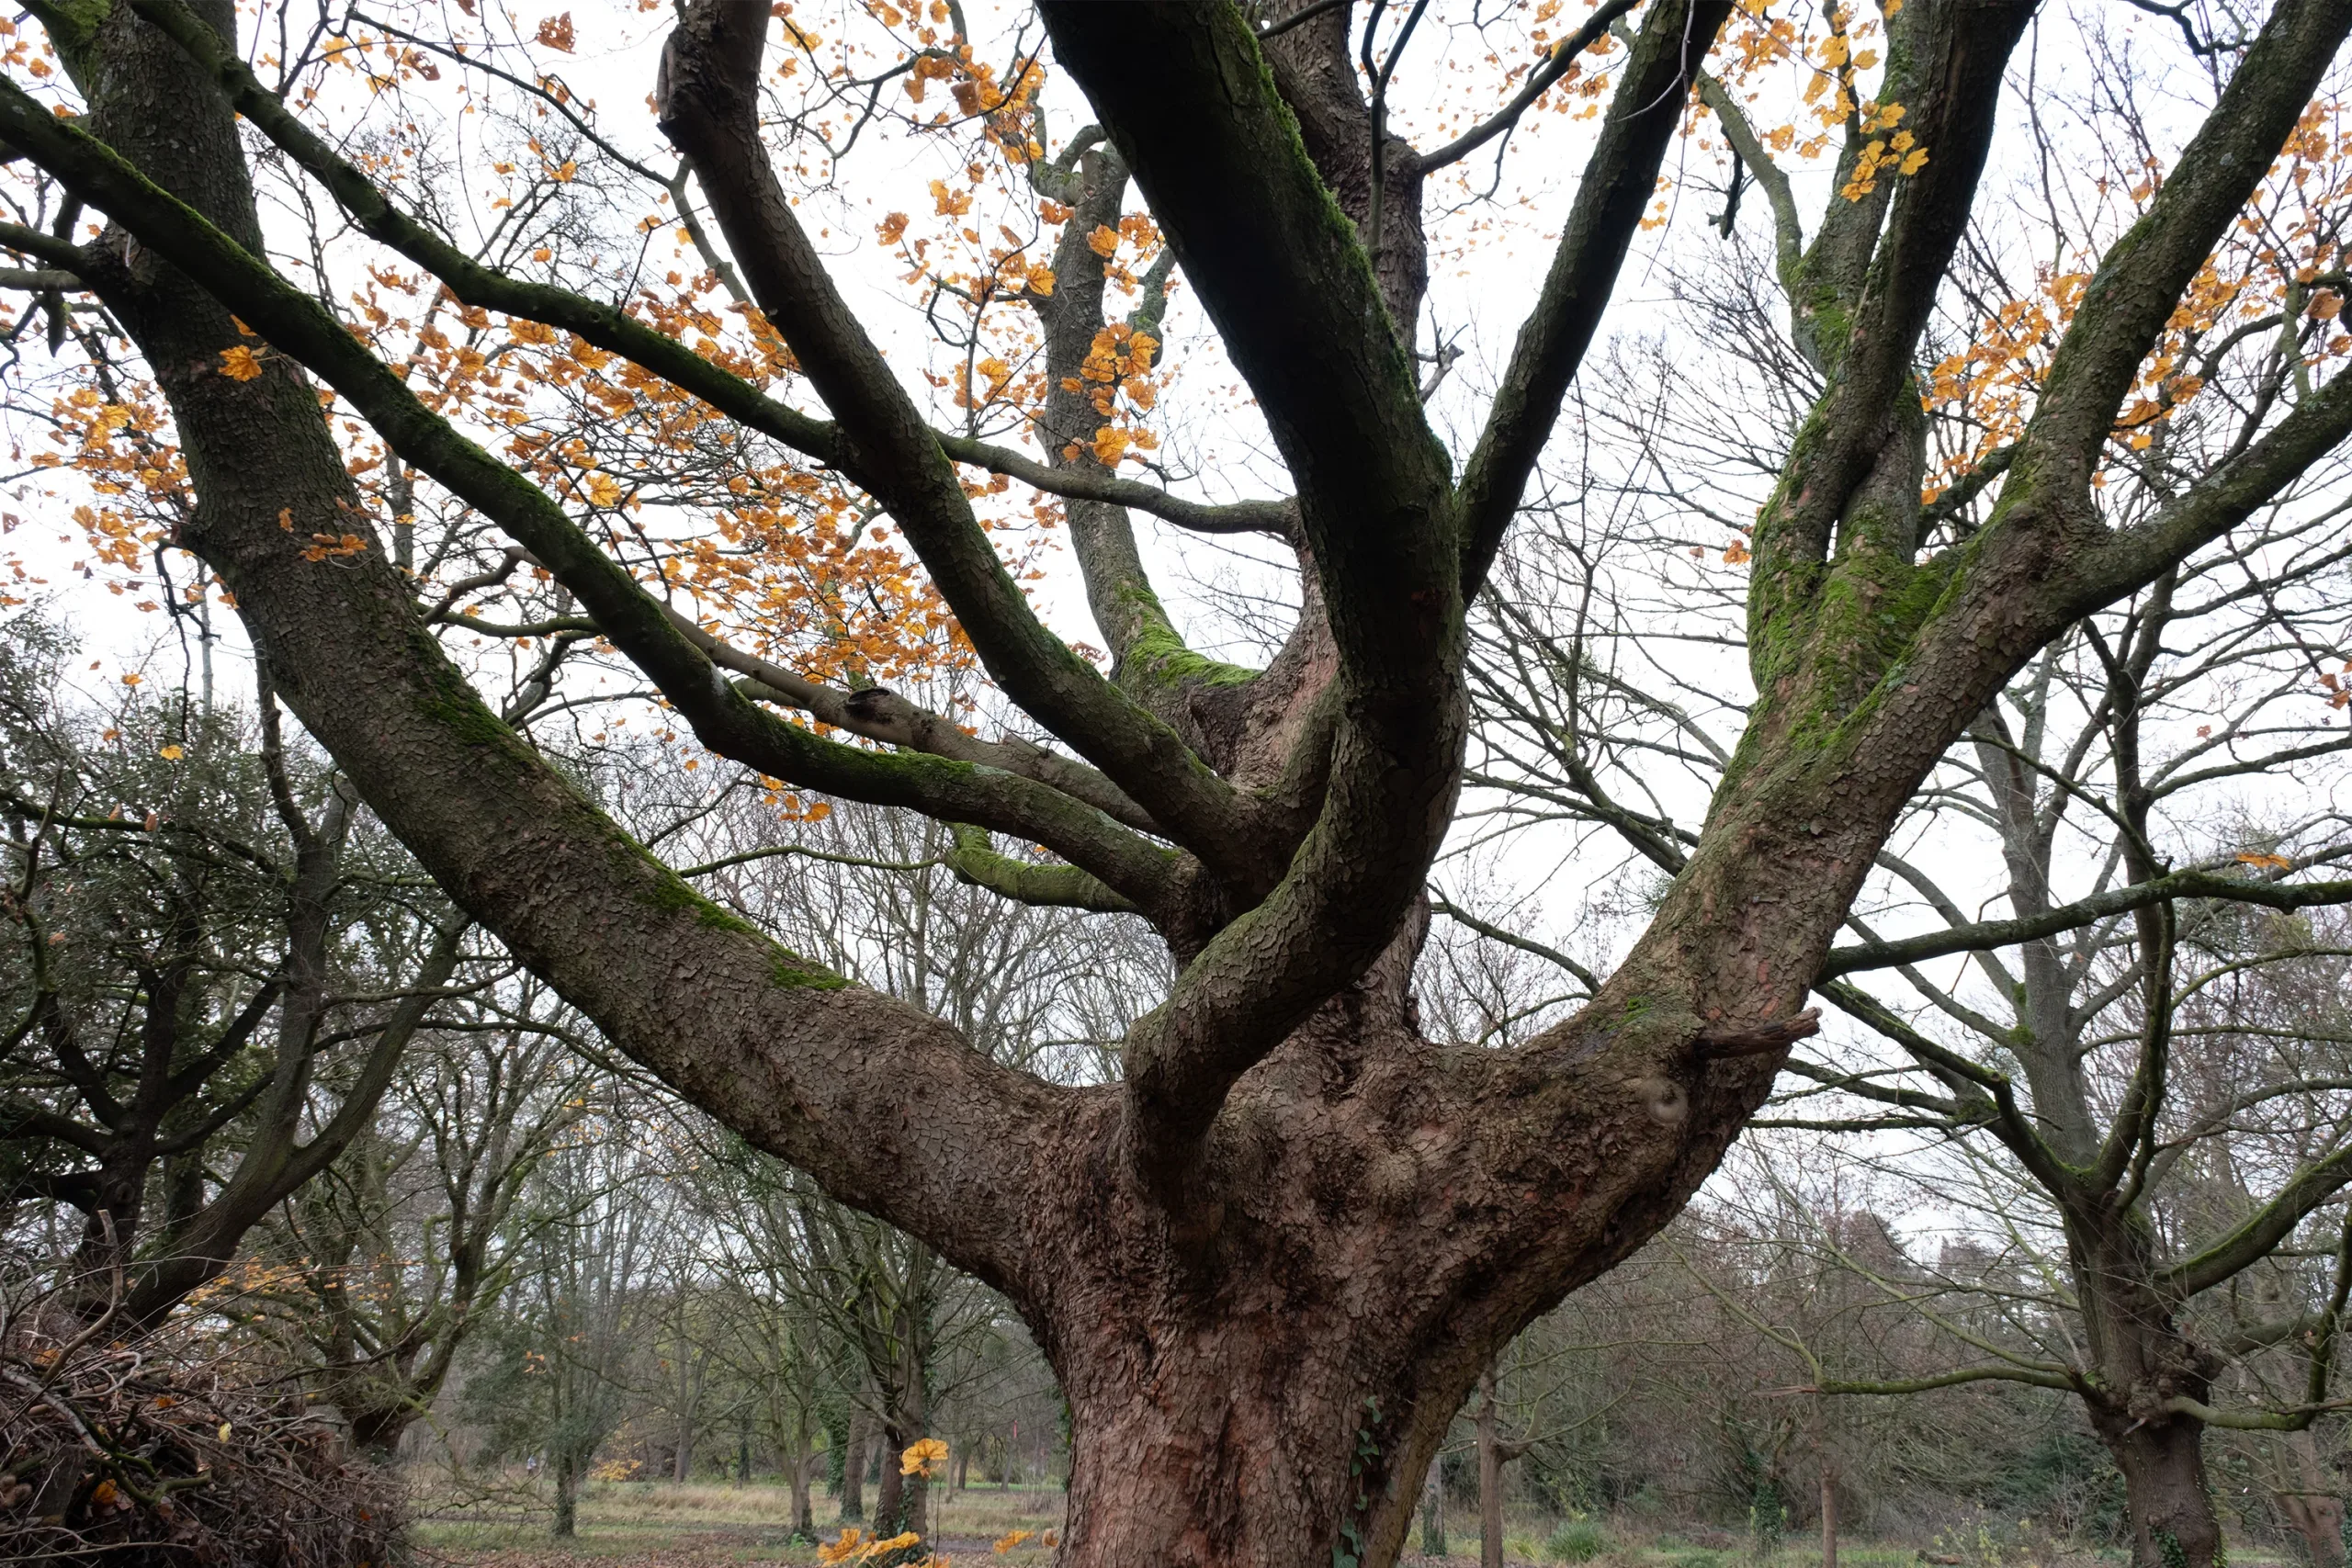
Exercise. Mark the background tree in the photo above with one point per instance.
(409, 1240)
(570, 1353)
(213, 968)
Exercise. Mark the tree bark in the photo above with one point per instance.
(799, 1469)
(1265, 1320)
(2171, 1508)
(2144, 1363)
(1433, 1511)
(567, 1494)
(891, 1499)
(1494, 1452)
(1828, 1515)
(853, 1468)
(2314, 1508)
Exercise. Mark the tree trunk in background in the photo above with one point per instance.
(1490, 1477)
(891, 1497)
(800, 1467)
(854, 1471)
(567, 1494)
(962, 1467)
(1828, 1514)
(1433, 1511)
(2314, 1507)
(905, 1421)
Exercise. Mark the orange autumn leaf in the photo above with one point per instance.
(1103, 240)
(238, 364)
(556, 33)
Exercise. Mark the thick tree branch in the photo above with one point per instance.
(723, 718)
(1291, 292)
(789, 1054)
(968, 570)
(1280, 274)
(707, 104)
(2254, 1239)
(1788, 228)
(2139, 281)
(975, 860)
(1866, 347)
(2038, 1377)
(879, 714)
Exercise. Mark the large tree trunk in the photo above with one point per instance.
(2173, 1523)
(1261, 1357)
(2144, 1363)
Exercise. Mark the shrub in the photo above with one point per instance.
(1578, 1540)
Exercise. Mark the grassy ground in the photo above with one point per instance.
(662, 1525)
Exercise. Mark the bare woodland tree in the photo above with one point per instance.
(1293, 1209)
(2142, 736)
(170, 1077)
(572, 1351)
(407, 1242)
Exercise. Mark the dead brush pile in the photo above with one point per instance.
(172, 1450)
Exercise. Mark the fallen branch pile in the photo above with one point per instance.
(169, 1449)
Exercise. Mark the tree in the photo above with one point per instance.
(2122, 763)
(1292, 1208)
(407, 1242)
(203, 934)
(2224, 1312)
(569, 1353)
